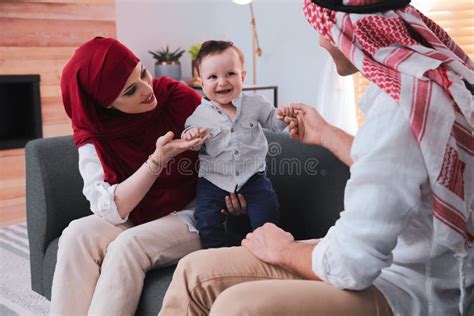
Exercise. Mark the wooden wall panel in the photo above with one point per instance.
(52, 111)
(37, 53)
(39, 37)
(57, 11)
(95, 2)
(36, 32)
(55, 129)
(49, 70)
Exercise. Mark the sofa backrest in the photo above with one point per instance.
(309, 182)
(53, 182)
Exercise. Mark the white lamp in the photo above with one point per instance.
(256, 51)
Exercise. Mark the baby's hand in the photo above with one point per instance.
(285, 112)
(294, 128)
(194, 133)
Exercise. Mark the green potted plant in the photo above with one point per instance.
(193, 51)
(167, 62)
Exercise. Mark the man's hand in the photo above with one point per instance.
(309, 126)
(269, 243)
(275, 246)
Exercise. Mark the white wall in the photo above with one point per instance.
(292, 58)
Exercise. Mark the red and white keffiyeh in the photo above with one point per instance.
(418, 64)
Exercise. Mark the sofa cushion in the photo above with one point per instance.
(309, 182)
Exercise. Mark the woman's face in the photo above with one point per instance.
(137, 94)
(343, 65)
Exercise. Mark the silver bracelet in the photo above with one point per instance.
(156, 170)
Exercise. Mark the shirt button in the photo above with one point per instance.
(219, 112)
(232, 130)
(251, 124)
(237, 173)
(236, 152)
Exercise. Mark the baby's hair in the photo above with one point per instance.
(213, 48)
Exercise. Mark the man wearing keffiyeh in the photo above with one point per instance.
(403, 244)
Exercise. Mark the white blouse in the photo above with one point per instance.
(100, 194)
(384, 235)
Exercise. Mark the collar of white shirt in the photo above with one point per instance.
(237, 102)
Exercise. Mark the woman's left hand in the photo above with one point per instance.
(167, 147)
(269, 243)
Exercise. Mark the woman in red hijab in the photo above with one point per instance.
(139, 180)
(404, 243)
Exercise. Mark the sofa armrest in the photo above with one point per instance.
(53, 196)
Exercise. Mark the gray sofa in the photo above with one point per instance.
(309, 182)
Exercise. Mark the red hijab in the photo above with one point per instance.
(90, 82)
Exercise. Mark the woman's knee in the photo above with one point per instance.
(86, 232)
(131, 245)
(126, 240)
(75, 231)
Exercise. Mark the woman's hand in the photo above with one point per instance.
(269, 243)
(167, 147)
(235, 205)
(309, 127)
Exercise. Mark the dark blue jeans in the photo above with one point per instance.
(219, 230)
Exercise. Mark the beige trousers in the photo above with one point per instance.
(231, 281)
(101, 267)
